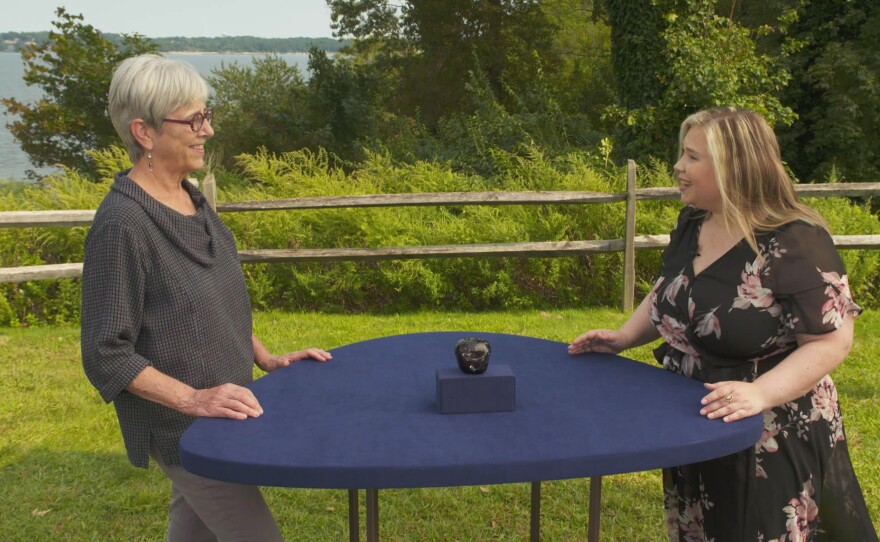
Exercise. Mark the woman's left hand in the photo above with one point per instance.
(277, 362)
(732, 400)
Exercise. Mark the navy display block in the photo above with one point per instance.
(461, 393)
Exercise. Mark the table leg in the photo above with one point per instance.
(354, 528)
(536, 512)
(372, 515)
(595, 508)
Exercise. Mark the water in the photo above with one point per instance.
(14, 162)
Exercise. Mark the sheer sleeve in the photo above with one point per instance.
(808, 279)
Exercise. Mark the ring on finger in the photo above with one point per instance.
(729, 398)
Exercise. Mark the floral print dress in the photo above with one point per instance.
(736, 320)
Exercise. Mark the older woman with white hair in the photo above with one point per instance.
(166, 318)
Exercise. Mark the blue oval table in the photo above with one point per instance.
(368, 420)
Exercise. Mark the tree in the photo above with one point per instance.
(833, 57)
(705, 60)
(344, 103)
(429, 46)
(269, 105)
(638, 62)
(73, 68)
(637, 51)
(262, 105)
(584, 83)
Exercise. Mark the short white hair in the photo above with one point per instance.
(149, 87)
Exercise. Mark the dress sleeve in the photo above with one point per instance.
(113, 283)
(808, 279)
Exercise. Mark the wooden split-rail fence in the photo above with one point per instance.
(628, 244)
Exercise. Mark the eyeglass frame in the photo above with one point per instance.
(199, 116)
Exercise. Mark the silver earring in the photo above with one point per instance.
(150, 161)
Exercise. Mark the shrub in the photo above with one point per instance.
(397, 285)
(52, 301)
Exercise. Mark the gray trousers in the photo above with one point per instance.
(204, 510)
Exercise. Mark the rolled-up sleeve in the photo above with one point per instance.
(113, 285)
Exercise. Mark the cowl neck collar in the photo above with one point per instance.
(192, 235)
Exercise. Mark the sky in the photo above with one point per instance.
(164, 18)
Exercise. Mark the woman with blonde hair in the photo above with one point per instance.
(754, 301)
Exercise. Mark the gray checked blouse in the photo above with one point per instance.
(166, 290)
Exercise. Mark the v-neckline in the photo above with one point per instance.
(693, 251)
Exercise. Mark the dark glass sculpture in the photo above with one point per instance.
(473, 355)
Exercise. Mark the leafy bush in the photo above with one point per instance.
(53, 301)
(484, 139)
(270, 105)
(861, 265)
(397, 285)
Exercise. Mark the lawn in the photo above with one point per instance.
(64, 474)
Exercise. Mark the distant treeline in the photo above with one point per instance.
(13, 41)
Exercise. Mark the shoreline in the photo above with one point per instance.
(234, 53)
(250, 53)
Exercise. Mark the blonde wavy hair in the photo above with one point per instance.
(757, 194)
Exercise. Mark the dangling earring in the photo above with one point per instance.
(150, 161)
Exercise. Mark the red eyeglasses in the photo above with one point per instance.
(197, 120)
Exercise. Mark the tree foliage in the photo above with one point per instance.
(833, 55)
(269, 105)
(431, 45)
(637, 51)
(583, 83)
(705, 60)
(460, 80)
(261, 105)
(345, 103)
(73, 68)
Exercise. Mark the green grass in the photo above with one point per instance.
(64, 474)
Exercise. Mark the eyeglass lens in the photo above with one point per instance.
(199, 119)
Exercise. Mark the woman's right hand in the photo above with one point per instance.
(224, 401)
(605, 341)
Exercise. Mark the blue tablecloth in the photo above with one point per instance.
(368, 419)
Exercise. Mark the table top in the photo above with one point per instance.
(368, 419)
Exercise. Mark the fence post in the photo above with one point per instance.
(209, 189)
(629, 248)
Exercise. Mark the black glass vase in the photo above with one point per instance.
(473, 355)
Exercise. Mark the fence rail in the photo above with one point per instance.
(628, 244)
(70, 218)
